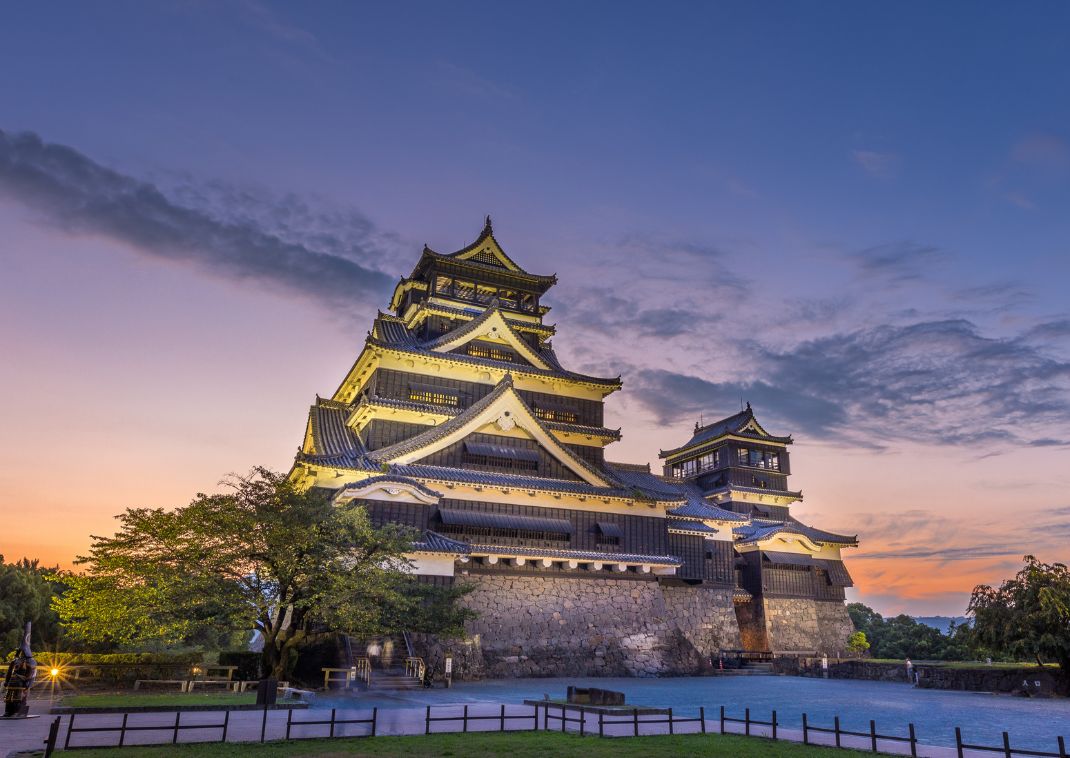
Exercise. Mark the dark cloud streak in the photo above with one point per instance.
(79, 196)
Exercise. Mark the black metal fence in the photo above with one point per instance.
(567, 718)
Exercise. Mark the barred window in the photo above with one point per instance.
(486, 351)
(428, 395)
(557, 414)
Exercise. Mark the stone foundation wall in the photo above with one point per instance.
(705, 616)
(796, 624)
(532, 626)
(564, 626)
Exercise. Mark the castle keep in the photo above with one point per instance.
(458, 419)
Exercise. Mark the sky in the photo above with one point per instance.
(852, 215)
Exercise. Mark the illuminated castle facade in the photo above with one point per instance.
(458, 419)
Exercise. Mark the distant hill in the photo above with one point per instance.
(943, 623)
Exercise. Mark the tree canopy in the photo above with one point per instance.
(262, 556)
(1027, 617)
(26, 595)
(903, 637)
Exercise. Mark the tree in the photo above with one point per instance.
(857, 644)
(264, 556)
(1027, 617)
(26, 595)
(903, 637)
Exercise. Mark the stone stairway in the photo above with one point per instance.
(749, 668)
(393, 680)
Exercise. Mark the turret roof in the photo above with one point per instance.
(742, 424)
(762, 529)
(472, 256)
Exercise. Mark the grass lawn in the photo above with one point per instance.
(485, 745)
(124, 699)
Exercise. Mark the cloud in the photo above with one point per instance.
(938, 381)
(898, 261)
(880, 165)
(75, 194)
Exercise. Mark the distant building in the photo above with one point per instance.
(458, 419)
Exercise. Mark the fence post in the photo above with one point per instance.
(53, 735)
(289, 721)
(702, 718)
(427, 719)
(806, 731)
(226, 724)
(670, 721)
(563, 717)
(746, 721)
(1007, 745)
(722, 719)
(635, 720)
(546, 717)
(1062, 746)
(502, 722)
(332, 723)
(774, 725)
(958, 740)
(375, 718)
(602, 724)
(464, 723)
(583, 720)
(873, 734)
(70, 728)
(536, 718)
(836, 726)
(122, 730)
(913, 741)
(263, 724)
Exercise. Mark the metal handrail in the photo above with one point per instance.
(362, 671)
(415, 667)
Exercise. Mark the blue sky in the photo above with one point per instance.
(853, 214)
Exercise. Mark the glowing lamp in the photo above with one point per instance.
(53, 672)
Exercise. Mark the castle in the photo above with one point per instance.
(458, 419)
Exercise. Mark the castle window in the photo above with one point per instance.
(608, 533)
(508, 298)
(549, 410)
(759, 459)
(486, 351)
(443, 284)
(464, 290)
(485, 294)
(427, 393)
(527, 301)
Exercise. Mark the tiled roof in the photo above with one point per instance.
(390, 479)
(433, 542)
(330, 435)
(797, 494)
(732, 425)
(761, 529)
(700, 509)
(582, 555)
(695, 527)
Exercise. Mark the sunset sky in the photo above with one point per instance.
(855, 216)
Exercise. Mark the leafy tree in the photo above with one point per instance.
(903, 637)
(263, 556)
(26, 595)
(1027, 617)
(857, 644)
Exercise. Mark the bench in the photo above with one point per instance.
(204, 683)
(183, 684)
